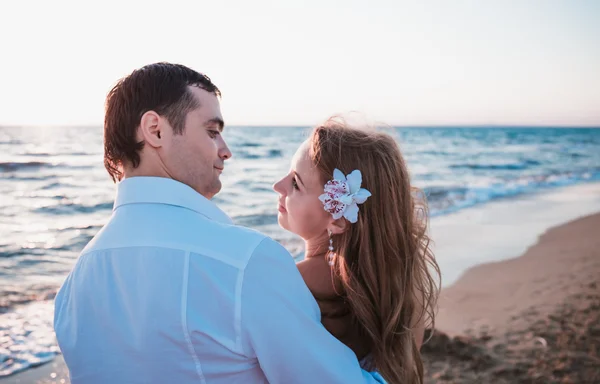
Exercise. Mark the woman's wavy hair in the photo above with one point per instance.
(384, 263)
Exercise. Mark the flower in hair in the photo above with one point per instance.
(343, 194)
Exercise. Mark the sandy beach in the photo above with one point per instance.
(533, 319)
(528, 319)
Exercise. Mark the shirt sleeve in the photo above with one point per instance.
(281, 327)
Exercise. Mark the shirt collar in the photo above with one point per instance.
(160, 190)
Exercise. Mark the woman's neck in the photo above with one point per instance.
(316, 247)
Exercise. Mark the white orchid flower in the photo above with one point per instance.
(343, 194)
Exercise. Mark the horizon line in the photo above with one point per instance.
(453, 125)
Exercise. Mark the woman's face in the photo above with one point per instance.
(300, 210)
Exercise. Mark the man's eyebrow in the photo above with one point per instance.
(216, 120)
(299, 178)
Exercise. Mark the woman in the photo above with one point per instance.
(348, 195)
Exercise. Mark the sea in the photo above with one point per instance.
(55, 195)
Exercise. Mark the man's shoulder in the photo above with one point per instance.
(271, 255)
(230, 243)
(247, 243)
(241, 232)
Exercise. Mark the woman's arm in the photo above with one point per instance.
(336, 316)
(279, 325)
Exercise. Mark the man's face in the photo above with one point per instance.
(197, 156)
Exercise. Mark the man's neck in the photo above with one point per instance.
(145, 172)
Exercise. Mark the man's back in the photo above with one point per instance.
(169, 291)
(155, 297)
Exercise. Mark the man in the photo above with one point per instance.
(170, 291)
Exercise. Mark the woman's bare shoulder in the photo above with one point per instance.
(317, 275)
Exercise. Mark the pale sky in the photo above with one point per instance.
(294, 62)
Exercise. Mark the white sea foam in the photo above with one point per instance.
(26, 337)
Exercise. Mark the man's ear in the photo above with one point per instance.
(150, 129)
(338, 226)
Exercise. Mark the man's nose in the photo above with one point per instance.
(224, 152)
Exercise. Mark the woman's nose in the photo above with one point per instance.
(277, 187)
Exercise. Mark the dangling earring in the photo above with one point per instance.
(330, 255)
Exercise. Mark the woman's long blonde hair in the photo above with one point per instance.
(385, 264)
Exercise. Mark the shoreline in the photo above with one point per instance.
(517, 284)
(534, 318)
(531, 212)
(504, 229)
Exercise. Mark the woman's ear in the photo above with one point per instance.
(339, 226)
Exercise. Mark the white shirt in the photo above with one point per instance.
(170, 291)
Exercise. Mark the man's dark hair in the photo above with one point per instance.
(159, 87)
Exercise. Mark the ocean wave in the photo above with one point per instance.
(55, 185)
(37, 253)
(274, 153)
(248, 156)
(38, 154)
(28, 165)
(443, 200)
(431, 152)
(575, 155)
(28, 338)
(439, 193)
(28, 177)
(250, 144)
(256, 220)
(13, 167)
(495, 167)
(46, 154)
(13, 296)
(11, 141)
(14, 253)
(70, 207)
(262, 153)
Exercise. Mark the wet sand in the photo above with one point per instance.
(532, 319)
